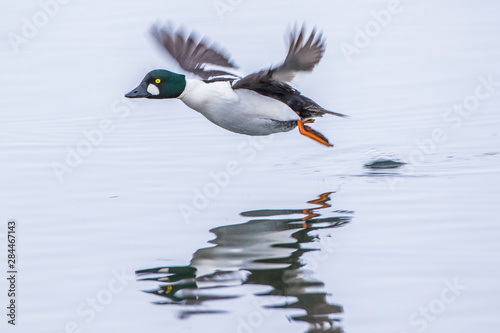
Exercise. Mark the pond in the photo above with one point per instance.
(140, 215)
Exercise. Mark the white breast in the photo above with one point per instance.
(241, 111)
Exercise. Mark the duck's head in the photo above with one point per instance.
(159, 83)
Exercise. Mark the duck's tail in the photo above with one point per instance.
(310, 109)
(335, 113)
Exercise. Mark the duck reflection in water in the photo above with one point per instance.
(265, 251)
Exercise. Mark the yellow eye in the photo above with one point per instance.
(157, 80)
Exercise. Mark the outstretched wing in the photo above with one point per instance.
(192, 56)
(303, 55)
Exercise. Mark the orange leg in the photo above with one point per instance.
(312, 134)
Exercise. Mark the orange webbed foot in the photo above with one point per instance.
(312, 134)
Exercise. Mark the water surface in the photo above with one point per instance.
(299, 238)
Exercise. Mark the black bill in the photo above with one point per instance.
(139, 92)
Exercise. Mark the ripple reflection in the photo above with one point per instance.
(265, 251)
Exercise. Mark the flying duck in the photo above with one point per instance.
(261, 103)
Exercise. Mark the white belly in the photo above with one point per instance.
(241, 111)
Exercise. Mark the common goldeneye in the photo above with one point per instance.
(261, 103)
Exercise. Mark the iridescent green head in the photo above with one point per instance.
(159, 84)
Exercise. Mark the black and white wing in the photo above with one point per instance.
(192, 56)
(303, 55)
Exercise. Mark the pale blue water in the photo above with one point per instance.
(162, 221)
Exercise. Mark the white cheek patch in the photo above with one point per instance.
(153, 90)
